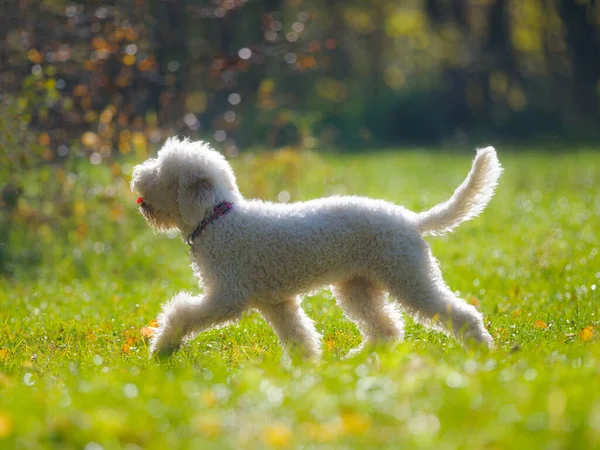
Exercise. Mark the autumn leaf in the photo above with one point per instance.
(209, 398)
(355, 423)
(81, 230)
(100, 43)
(79, 208)
(80, 90)
(44, 139)
(586, 334)
(210, 427)
(128, 344)
(47, 154)
(6, 424)
(116, 213)
(149, 330)
(323, 432)
(145, 65)
(473, 301)
(277, 435)
(90, 139)
(34, 56)
(129, 60)
(90, 336)
(116, 169)
(5, 381)
(330, 343)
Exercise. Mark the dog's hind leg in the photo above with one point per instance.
(186, 315)
(422, 291)
(366, 305)
(293, 327)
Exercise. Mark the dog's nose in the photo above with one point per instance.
(140, 200)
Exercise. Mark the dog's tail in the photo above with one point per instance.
(468, 200)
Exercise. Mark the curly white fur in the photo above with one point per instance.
(265, 255)
(469, 199)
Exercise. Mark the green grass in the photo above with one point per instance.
(74, 368)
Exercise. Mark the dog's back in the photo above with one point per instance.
(292, 248)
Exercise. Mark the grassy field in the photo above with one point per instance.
(74, 368)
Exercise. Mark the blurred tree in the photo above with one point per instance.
(101, 79)
(115, 77)
(169, 40)
(581, 23)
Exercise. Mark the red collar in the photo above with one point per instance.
(220, 210)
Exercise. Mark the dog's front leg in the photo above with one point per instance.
(295, 329)
(186, 315)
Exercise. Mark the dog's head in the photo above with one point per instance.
(182, 184)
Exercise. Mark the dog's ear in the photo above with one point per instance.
(195, 195)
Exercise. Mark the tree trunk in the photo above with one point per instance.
(498, 54)
(170, 45)
(582, 41)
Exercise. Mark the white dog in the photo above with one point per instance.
(255, 254)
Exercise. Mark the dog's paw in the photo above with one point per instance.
(354, 352)
(479, 337)
(488, 340)
(162, 346)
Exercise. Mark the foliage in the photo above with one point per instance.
(19, 152)
(43, 194)
(115, 75)
(74, 371)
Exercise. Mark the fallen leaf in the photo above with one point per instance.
(323, 432)
(355, 423)
(330, 343)
(586, 334)
(210, 427)
(6, 424)
(209, 398)
(5, 380)
(128, 344)
(147, 332)
(474, 301)
(277, 435)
